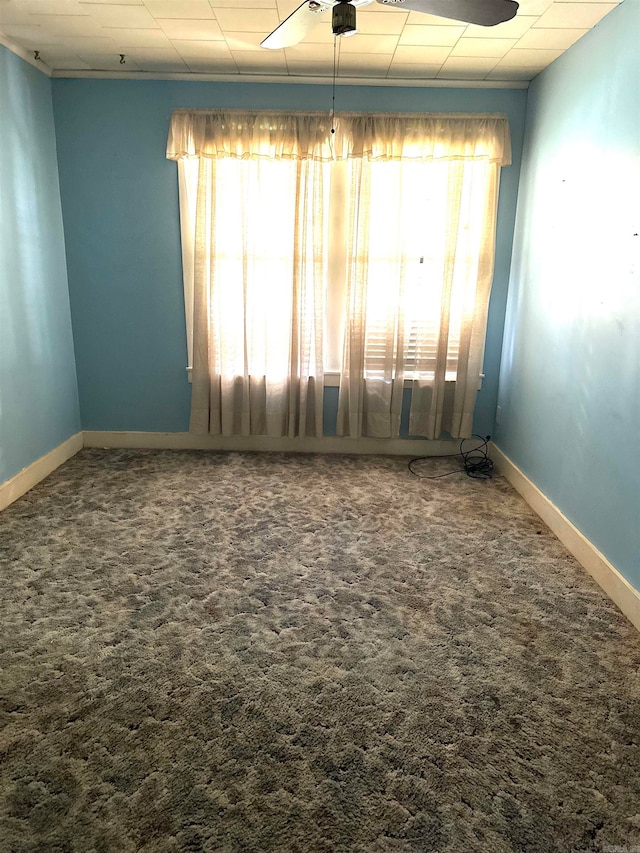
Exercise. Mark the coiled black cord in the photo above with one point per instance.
(475, 461)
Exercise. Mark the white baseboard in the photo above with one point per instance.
(330, 444)
(618, 588)
(30, 476)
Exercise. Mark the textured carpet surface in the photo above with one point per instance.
(237, 652)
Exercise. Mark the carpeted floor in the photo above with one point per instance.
(237, 652)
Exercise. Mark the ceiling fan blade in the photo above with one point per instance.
(294, 28)
(486, 13)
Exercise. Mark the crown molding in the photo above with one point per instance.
(391, 82)
(283, 78)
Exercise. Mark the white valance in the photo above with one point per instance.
(427, 137)
(248, 135)
(302, 136)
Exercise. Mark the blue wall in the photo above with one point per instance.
(120, 203)
(38, 392)
(570, 381)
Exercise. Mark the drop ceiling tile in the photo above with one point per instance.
(208, 65)
(247, 20)
(243, 4)
(379, 23)
(412, 71)
(192, 29)
(422, 55)
(536, 58)
(93, 46)
(63, 60)
(108, 62)
(309, 52)
(33, 38)
(122, 16)
(533, 7)
(372, 45)
(284, 7)
(157, 59)
(260, 61)
(574, 15)
(69, 25)
(539, 33)
(10, 14)
(370, 66)
(462, 74)
(513, 29)
(385, 9)
(51, 7)
(194, 49)
(137, 38)
(459, 67)
(422, 20)
(538, 38)
(198, 9)
(309, 69)
(445, 36)
(482, 47)
(512, 74)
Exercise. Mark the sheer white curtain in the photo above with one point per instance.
(405, 205)
(422, 213)
(254, 216)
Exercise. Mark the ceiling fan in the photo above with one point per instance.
(486, 13)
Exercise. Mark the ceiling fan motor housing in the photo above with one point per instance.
(343, 19)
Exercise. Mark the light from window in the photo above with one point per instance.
(421, 262)
(417, 245)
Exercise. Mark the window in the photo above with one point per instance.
(369, 253)
(252, 213)
(408, 258)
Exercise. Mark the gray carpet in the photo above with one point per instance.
(237, 652)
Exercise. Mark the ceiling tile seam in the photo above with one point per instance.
(393, 57)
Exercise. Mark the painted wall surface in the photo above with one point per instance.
(120, 204)
(38, 391)
(570, 383)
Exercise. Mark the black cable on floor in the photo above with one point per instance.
(475, 461)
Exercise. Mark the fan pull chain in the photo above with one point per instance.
(333, 92)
